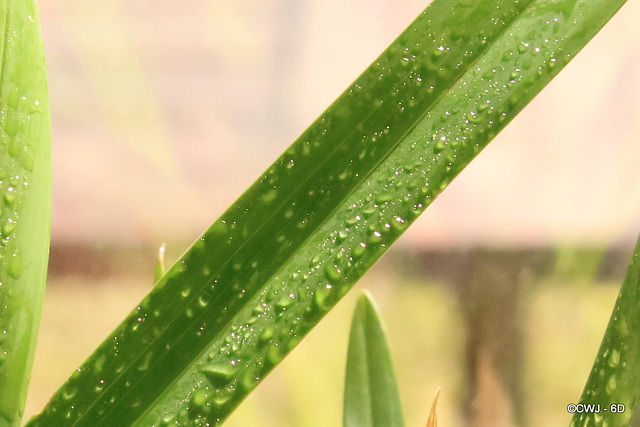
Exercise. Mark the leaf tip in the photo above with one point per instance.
(432, 421)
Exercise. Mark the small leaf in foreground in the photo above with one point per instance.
(371, 396)
(614, 383)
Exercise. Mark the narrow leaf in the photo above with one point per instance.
(613, 387)
(293, 244)
(432, 421)
(371, 397)
(25, 204)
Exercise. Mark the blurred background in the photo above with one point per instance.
(163, 112)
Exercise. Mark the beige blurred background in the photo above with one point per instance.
(164, 111)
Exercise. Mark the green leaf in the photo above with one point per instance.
(370, 393)
(294, 243)
(614, 378)
(25, 205)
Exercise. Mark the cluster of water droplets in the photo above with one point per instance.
(348, 166)
(20, 110)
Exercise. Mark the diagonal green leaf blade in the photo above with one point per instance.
(25, 199)
(614, 383)
(292, 245)
(371, 397)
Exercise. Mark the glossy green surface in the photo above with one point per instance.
(613, 387)
(25, 205)
(294, 243)
(371, 396)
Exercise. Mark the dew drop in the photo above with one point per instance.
(399, 224)
(611, 385)
(146, 361)
(202, 301)
(69, 393)
(622, 327)
(15, 267)
(439, 146)
(614, 358)
(332, 273)
(342, 235)
(358, 250)
(223, 397)
(353, 221)
(269, 196)
(383, 198)
(27, 161)
(266, 335)
(200, 399)
(375, 237)
(320, 297)
(284, 302)
(369, 211)
(168, 419)
(9, 197)
(259, 309)
(98, 365)
(218, 374)
(273, 354)
(250, 379)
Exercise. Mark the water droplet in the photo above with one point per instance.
(250, 379)
(285, 302)
(9, 197)
(223, 397)
(202, 301)
(69, 393)
(269, 196)
(168, 419)
(218, 374)
(320, 297)
(611, 385)
(383, 198)
(358, 250)
(200, 398)
(332, 273)
(273, 354)
(375, 237)
(353, 221)
(399, 224)
(98, 365)
(266, 335)
(622, 327)
(15, 266)
(614, 358)
(146, 361)
(259, 309)
(27, 161)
